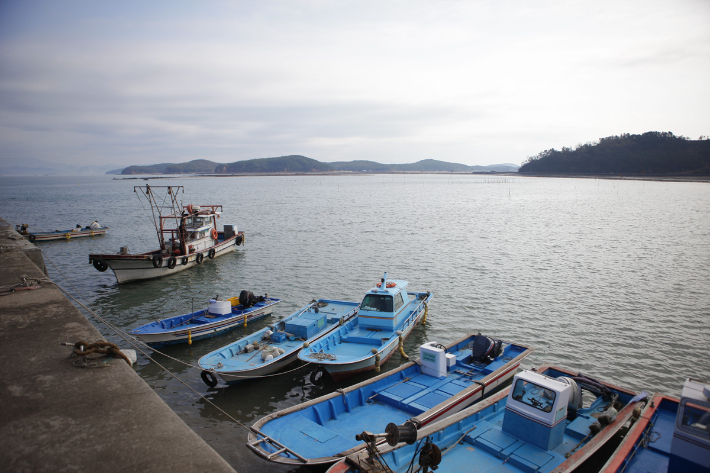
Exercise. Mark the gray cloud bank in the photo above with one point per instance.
(469, 82)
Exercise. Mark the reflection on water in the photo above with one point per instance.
(607, 277)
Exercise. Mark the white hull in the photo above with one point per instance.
(263, 370)
(137, 267)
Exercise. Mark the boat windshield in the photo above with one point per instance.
(534, 395)
(197, 221)
(377, 303)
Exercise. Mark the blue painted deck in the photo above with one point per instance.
(485, 447)
(328, 426)
(234, 358)
(653, 456)
(195, 321)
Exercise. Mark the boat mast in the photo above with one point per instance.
(157, 207)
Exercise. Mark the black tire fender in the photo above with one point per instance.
(239, 240)
(101, 265)
(185, 260)
(317, 376)
(157, 261)
(32, 238)
(199, 258)
(211, 253)
(209, 378)
(172, 261)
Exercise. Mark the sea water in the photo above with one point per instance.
(608, 277)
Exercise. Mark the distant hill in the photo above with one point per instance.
(152, 169)
(300, 164)
(650, 153)
(293, 163)
(195, 166)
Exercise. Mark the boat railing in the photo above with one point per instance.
(279, 448)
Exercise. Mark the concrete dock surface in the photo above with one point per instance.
(57, 417)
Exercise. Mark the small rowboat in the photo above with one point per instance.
(218, 318)
(78, 232)
(273, 348)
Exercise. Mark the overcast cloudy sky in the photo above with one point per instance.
(474, 82)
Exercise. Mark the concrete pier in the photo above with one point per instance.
(55, 416)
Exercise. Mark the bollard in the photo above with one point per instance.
(401, 345)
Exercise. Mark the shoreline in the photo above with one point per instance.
(621, 177)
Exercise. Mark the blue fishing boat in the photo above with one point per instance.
(219, 317)
(272, 348)
(387, 315)
(445, 380)
(671, 435)
(541, 423)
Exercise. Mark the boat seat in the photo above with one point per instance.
(362, 340)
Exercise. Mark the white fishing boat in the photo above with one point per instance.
(187, 235)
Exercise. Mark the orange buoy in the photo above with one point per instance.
(389, 284)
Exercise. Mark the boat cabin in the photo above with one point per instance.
(691, 435)
(382, 308)
(536, 409)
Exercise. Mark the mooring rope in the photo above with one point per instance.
(130, 340)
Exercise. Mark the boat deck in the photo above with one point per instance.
(654, 457)
(329, 428)
(235, 357)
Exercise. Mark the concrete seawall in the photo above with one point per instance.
(59, 417)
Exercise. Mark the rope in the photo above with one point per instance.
(322, 356)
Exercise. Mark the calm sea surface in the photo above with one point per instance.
(607, 277)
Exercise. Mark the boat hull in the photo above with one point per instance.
(202, 331)
(342, 370)
(233, 363)
(128, 268)
(65, 234)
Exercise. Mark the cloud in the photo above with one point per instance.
(472, 82)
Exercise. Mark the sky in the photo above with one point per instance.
(472, 82)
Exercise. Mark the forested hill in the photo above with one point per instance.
(302, 164)
(650, 153)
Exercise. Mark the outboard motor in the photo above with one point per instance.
(485, 349)
(248, 299)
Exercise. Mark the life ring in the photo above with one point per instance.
(101, 265)
(317, 376)
(157, 261)
(388, 285)
(184, 260)
(172, 261)
(209, 378)
(199, 258)
(214, 234)
(189, 209)
(32, 238)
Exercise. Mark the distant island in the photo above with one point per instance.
(302, 164)
(652, 153)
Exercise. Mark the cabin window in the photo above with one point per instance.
(377, 303)
(533, 395)
(694, 417)
(398, 302)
